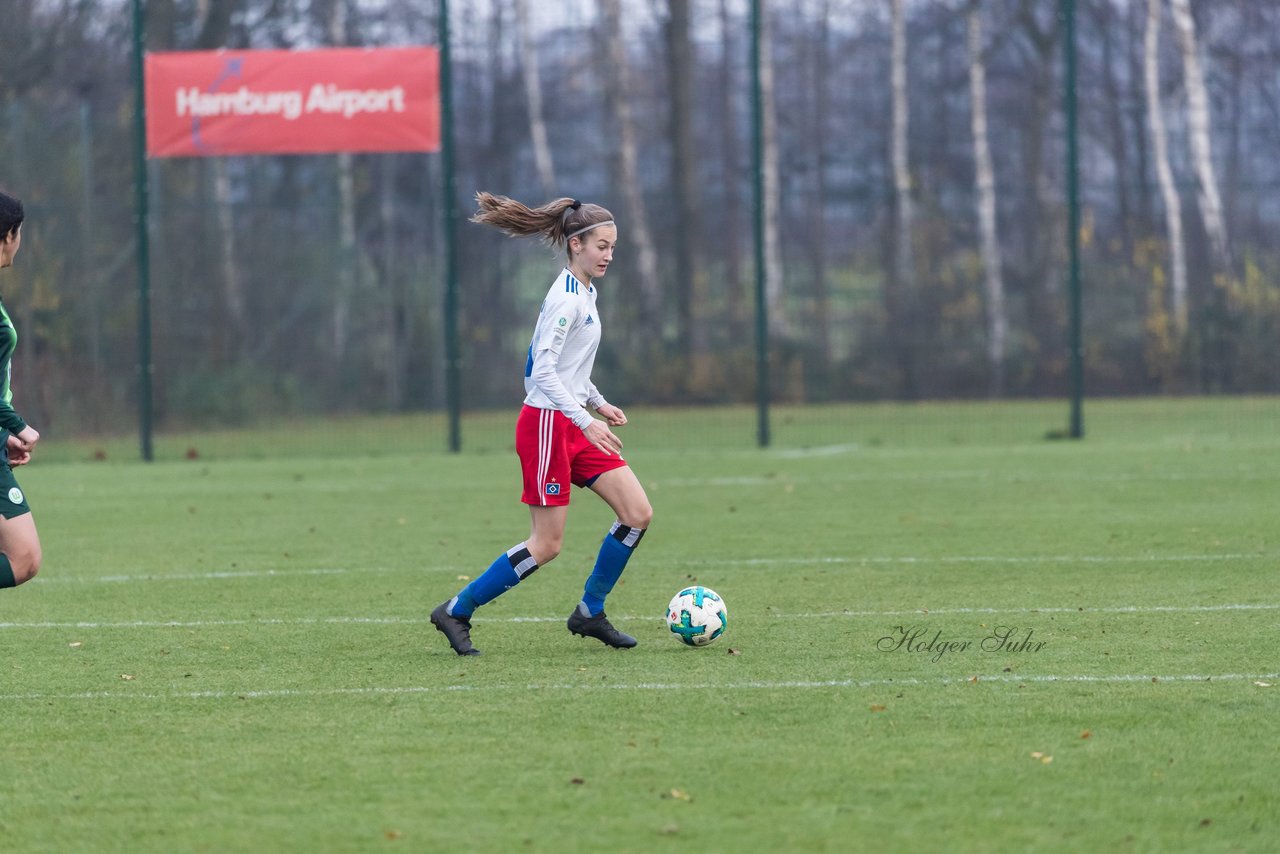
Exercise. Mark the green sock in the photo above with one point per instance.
(6, 573)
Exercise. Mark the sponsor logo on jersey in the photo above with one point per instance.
(564, 321)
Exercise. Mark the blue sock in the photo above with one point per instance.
(506, 572)
(615, 551)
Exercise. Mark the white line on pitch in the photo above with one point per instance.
(411, 621)
(48, 578)
(975, 476)
(1003, 678)
(907, 559)
(51, 577)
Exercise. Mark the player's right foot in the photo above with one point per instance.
(456, 629)
(600, 628)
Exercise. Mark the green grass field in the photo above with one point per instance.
(232, 653)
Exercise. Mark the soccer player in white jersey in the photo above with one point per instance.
(560, 443)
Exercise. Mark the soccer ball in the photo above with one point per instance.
(697, 616)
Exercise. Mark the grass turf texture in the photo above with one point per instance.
(234, 654)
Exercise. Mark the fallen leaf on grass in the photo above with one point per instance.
(678, 795)
(1086, 734)
(734, 651)
(1044, 759)
(577, 781)
(464, 578)
(126, 677)
(1263, 684)
(76, 644)
(393, 835)
(1205, 822)
(876, 707)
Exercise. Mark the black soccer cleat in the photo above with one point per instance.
(600, 628)
(456, 629)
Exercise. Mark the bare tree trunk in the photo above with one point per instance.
(1198, 128)
(1109, 27)
(533, 93)
(818, 226)
(901, 168)
(1164, 173)
(779, 328)
(394, 284)
(638, 233)
(737, 309)
(903, 276)
(347, 261)
(684, 178)
(215, 23)
(1041, 223)
(985, 184)
(232, 290)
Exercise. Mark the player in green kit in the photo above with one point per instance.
(19, 543)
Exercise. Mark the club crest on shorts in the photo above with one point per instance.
(553, 489)
(15, 495)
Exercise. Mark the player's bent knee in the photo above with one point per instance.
(25, 566)
(543, 553)
(639, 517)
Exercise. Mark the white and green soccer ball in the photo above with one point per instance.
(697, 616)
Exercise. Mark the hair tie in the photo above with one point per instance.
(575, 204)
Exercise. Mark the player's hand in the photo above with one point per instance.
(19, 452)
(28, 437)
(599, 434)
(615, 416)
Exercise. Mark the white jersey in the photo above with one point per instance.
(557, 373)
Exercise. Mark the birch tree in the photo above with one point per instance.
(347, 261)
(214, 29)
(684, 160)
(533, 95)
(821, 82)
(901, 168)
(732, 167)
(617, 85)
(1164, 173)
(903, 272)
(985, 185)
(772, 201)
(1198, 120)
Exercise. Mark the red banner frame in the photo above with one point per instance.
(226, 102)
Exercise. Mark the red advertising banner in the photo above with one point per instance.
(213, 103)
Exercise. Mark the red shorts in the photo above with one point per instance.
(553, 454)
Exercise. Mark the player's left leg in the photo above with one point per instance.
(20, 553)
(621, 490)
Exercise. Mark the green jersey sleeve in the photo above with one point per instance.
(9, 418)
